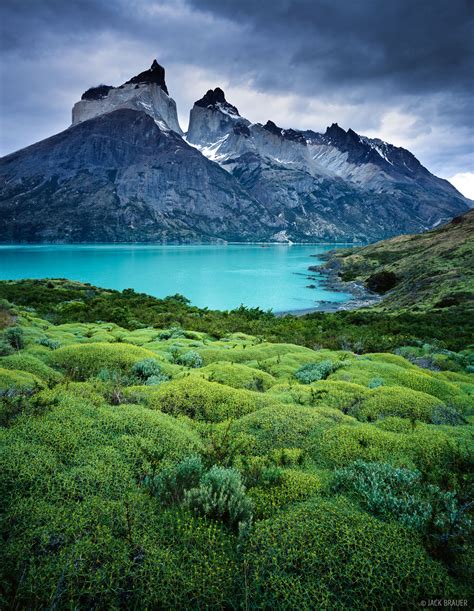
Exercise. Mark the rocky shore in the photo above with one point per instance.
(361, 297)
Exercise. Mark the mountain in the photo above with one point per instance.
(336, 185)
(431, 269)
(124, 171)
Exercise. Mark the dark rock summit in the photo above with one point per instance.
(96, 93)
(156, 74)
(215, 98)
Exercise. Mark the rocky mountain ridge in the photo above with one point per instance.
(124, 171)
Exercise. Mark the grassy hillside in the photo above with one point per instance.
(429, 270)
(163, 458)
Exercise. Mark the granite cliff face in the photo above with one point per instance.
(146, 92)
(124, 171)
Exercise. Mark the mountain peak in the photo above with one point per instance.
(215, 98)
(273, 128)
(155, 75)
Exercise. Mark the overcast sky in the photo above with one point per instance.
(400, 70)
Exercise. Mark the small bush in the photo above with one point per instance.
(171, 333)
(190, 359)
(53, 344)
(312, 372)
(375, 382)
(447, 414)
(146, 368)
(197, 398)
(15, 337)
(221, 496)
(156, 380)
(171, 484)
(5, 347)
(390, 492)
(292, 486)
(81, 361)
(29, 363)
(381, 282)
(397, 401)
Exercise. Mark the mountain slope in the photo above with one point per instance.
(119, 177)
(336, 185)
(432, 269)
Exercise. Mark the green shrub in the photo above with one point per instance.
(84, 360)
(19, 380)
(221, 496)
(375, 382)
(397, 401)
(156, 380)
(287, 426)
(5, 347)
(197, 398)
(190, 359)
(292, 486)
(401, 494)
(258, 471)
(15, 337)
(28, 363)
(326, 554)
(447, 414)
(170, 485)
(238, 376)
(149, 371)
(171, 333)
(53, 344)
(312, 372)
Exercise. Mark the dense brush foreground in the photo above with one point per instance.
(168, 457)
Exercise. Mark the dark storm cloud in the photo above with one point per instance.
(416, 46)
(399, 68)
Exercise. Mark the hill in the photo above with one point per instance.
(434, 269)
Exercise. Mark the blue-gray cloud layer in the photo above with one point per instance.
(404, 62)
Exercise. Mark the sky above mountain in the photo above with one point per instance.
(401, 70)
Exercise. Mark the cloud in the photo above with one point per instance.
(397, 70)
(464, 182)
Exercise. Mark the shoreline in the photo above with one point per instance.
(329, 272)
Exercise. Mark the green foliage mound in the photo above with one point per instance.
(402, 494)
(26, 362)
(84, 360)
(238, 376)
(292, 486)
(397, 401)
(363, 370)
(326, 554)
(436, 453)
(17, 380)
(287, 426)
(202, 400)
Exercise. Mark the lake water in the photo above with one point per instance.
(219, 277)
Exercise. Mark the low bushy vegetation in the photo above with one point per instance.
(156, 456)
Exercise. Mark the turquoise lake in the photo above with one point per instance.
(218, 277)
